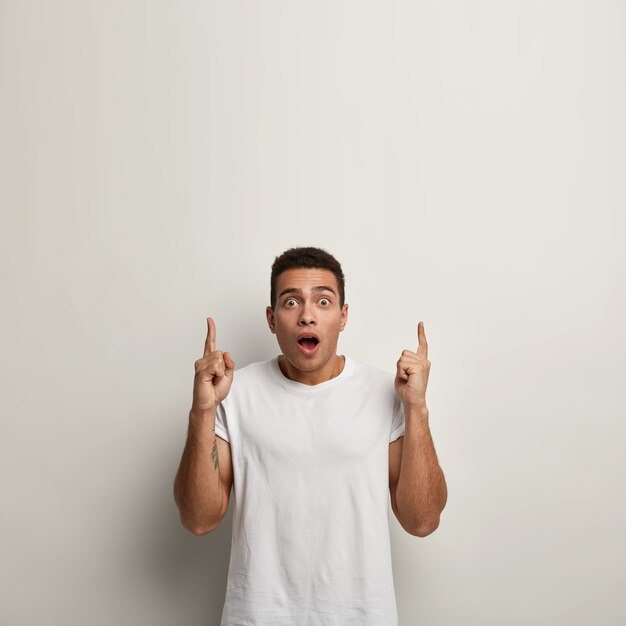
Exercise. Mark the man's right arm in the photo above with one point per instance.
(204, 479)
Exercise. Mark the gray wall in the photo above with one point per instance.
(464, 160)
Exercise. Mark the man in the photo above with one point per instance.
(313, 444)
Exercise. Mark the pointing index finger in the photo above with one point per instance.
(209, 344)
(422, 348)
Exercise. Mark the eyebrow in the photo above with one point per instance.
(298, 291)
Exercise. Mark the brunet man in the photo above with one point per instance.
(313, 444)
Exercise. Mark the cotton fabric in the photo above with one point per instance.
(310, 538)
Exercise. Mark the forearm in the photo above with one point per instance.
(197, 488)
(421, 492)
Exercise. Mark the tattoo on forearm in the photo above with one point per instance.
(215, 458)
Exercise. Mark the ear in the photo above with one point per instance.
(271, 322)
(344, 316)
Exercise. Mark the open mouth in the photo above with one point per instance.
(308, 345)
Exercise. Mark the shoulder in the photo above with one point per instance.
(249, 381)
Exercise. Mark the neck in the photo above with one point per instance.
(330, 370)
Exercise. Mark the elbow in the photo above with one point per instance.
(198, 529)
(426, 529)
(197, 525)
(423, 528)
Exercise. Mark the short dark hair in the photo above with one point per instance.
(308, 257)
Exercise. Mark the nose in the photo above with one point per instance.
(307, 316)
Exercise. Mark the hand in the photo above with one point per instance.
(412, 373)
(214, 375)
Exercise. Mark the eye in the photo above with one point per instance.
(324, 301)
(290, 302)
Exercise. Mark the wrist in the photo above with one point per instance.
(416, 408)
(202, 418)
(416, 412)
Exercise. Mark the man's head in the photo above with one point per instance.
(308, 310)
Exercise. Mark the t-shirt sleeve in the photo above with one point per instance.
(397, 422)
(221, 423)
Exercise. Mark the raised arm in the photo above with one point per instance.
(418, 486)
(204, 478)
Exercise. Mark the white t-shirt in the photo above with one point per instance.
(310, 541)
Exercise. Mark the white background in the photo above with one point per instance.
(465, 163)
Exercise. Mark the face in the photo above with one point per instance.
(307, 318)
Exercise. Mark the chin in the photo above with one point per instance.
(303, 364)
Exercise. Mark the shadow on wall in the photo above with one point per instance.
(188, 572)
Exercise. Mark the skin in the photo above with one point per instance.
(412, 373)
(205, 475)
(416, 482)
(308, 301)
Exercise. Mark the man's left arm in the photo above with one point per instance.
(419, 491)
